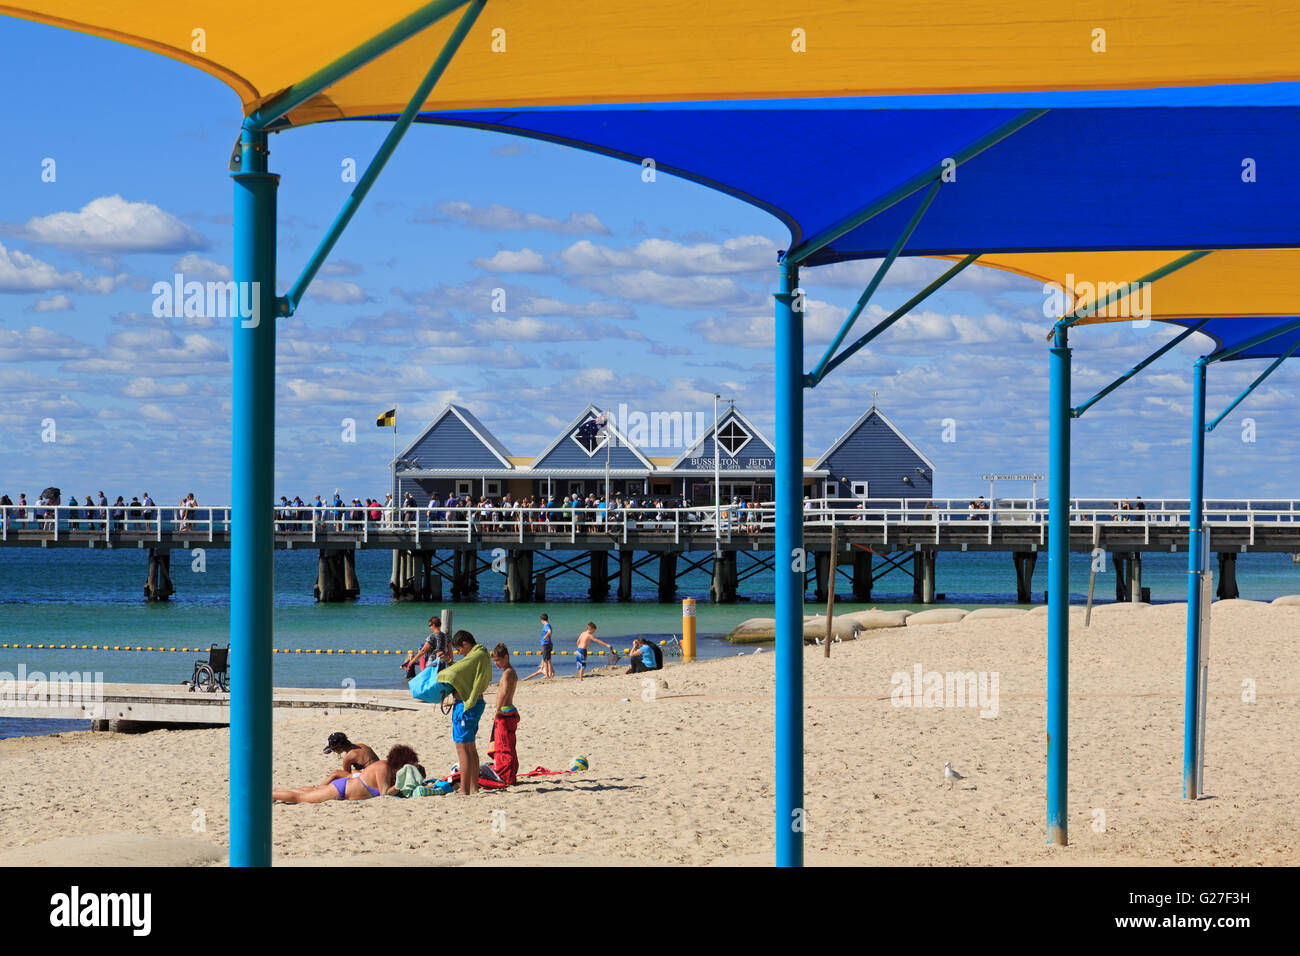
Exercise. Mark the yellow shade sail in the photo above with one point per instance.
(1226, 282)
(535, 52)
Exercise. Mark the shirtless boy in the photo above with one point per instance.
(584, 641)
(505, 761)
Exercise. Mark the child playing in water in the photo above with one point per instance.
(584, 641)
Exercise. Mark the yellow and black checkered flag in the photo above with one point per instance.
(388, 418)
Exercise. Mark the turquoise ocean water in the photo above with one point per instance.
(95, 597)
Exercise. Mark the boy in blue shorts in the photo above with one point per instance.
(584, 642)
(468, 678)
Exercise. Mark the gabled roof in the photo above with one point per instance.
(611, 428)
(862, 420)
(706, 440)
(476, 427)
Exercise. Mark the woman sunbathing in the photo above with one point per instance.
(370, 781)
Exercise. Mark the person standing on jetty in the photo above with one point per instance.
(467, 679)
(584, 641)
(546, 669)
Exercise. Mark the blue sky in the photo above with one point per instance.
(616, 290)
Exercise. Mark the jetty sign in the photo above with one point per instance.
(1011, 478)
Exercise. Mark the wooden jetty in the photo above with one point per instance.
(526, 548)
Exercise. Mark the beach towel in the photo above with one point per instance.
(409, 779)
(505, 761)
(469, 676)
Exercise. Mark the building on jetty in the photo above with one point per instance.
(455, 454)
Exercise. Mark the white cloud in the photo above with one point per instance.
(20, 272)
(113, 225)
(36, 344)
(679, 292)
(525, 260)
(338, 291)
(499, 218)
(157, 414)
(149, 388)
(201, 269)
(741, 255)
(55, 303)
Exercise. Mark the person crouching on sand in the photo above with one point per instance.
(468, 678)
(505, 760)
(375, 779)
(584, 641)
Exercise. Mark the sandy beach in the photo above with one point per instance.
(681, 765)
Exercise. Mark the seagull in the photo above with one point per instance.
(949, 774)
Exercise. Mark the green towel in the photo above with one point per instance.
(470, 675)
(408, 778)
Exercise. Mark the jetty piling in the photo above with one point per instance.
(158, 583)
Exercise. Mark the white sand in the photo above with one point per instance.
(687, 778)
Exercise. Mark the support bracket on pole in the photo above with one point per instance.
(813, 378)
(381, 157)
(1096, 305)
(935, 173)
(1253, 385)
(875, 281)
(1077, 412)
(283, 103)
(1251, 342)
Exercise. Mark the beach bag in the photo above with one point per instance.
(425, 686)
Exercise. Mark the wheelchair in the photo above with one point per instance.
(213, 674)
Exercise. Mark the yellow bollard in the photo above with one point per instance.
(688, 629)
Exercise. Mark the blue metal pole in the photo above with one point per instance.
(1196, 570)
(790, 563)
(1058, 596)
(251, 521)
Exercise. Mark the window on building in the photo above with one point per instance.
(493, 489)
(464, 486)
(589, 437)
(732, 437)
(859, 489)
(575, 487)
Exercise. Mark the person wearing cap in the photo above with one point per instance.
(356, 757)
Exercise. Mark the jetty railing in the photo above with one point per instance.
(54, 522)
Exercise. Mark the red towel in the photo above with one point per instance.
(505, 761)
